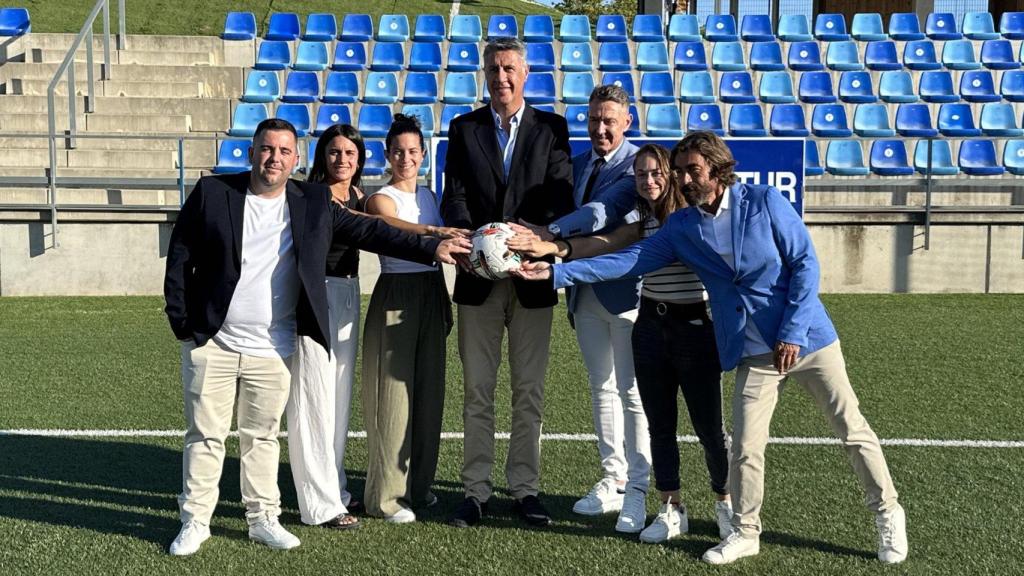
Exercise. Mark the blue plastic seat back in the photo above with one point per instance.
(380, 88)
(460, 88)
(905, 26)
(804, 57)
(1011, 25)
(999, 119)
(310, 56)
(237, 25)
(881, 56)
(465, 28)
(341, 88)
(576, 87)
(889, 158)
(283, 26)
(1013, 157)
(794, 28)
(652, 57)
(577, 57)
(788, 120)
(261, 86)
(829, 121)
(502, 26)
(538, 28)
(611, 28)
(648, 28)
(690, 56)
(425, 57)
(246, 118)
(425, 166)
(388, 57)
(374, 120)
(978, 86)
(936, 86)
(540, 57)
(540, 88)
(720, 28)
(746, 120)
(998, 55)
(356, 28)
(978, 26)
(297, 115)
(684, 28)
(812, 161)
(896, 87)
(1011, 86)
(574, 28)
(845, 158)
(867, 27)
(393, 28)
(623, 80)
(843, 55)
(576, 117)
(429, 28)
(656, 88)
(696, 88)
(942, 158)
(727, 57)
(634, 128)
(330, 114)
(776, 88)
(705, 117)
(320, 28)
(425, 114)
(233, 157)
(920, 55)
(816, 88)
(420, 88)
(451, 112)
(376, 157)
(978, 158)
(736, 88)
(273, 55)
(756, 28)
(664, 121)
(957, 120)
(872, 121)
(941, 26)
(613, 57)
(349, 56)
(856, 88)
(830, 27)
(914, 120)
(766, 57)
(959, 55)
(463, 57)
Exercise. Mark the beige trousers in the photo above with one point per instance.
(481, 330)
(212, 376)
(823, 375)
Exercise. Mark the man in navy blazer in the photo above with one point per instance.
(755, 257)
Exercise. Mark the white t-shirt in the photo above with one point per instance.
(420, 208)
(260, 320)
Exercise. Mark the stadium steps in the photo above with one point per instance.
(50, 47)
(208, 114)
(78, 158)
(91, 196)
(112, 123)
(218, 81)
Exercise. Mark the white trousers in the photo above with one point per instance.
(605, 339)
(318, 408)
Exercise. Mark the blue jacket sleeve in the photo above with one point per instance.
(644, 256)
(797, 253)
(606, 212)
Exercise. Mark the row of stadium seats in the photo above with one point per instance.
(232, 156)
(14, 22)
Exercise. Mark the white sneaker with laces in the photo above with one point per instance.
(603, 498)
(723, 515)
(269, 532)
(403, 516)
(191, 537)
(670, 522)
(633, 515)
(732, 548)
(892, 536)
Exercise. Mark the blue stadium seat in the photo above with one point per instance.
(376, 158)
(341, 88)
(540, 56)
(978, 86)
(311, 56)
(648, 28)
(942, 158)
(449, 113)
(330, 114)
(261, 86)
(613, 57)
(889, 158)
(845, 158)
(720, 28)
(425, 57)
(502, 26)
(538, 28)
(233, 157)
(690, 56)
(1000, 120)
(380, 88)
(1011, 86)
(856, 88)
(283, 26)
(843, 56)
(788, 120)
(915, 121)
(465, 28)
(611, 28)
(816, 88)
(425, 114)
(577, 57)
(756, 28)
(905, 26)
(920, 55)
(872, 121)
(684, 28)
(246, 118)
(273, 55)
(978, 158)
(998, 55)
(356, 28)
(747, 120)
(956, 120)
(978, 26)
(941, 26)
(349, 57)
(959, 55)
(736, 88)
(429, 28)
(829, 121)
(804, 57)
(867, 27)
(1013, 157)
(830, 28)
(634, 128)
(623, 80)
(794, 28)
(374, 120)
(727, 57)
(1011, 26)
(540, 88)
(651, 57)
(656, 88)
(882, 56)
(812, 162)
(574, 28)
(393, 28)
(936, 87)
(705, 117)
(297, 115)
(425, 166)
(664, 121)
(464, 57)
(237, 25)
(766, 57)
(896, 87)
(696, 88)
(320, 28)
(388, 57)
(420, 88)
(776, 88)
(460, 88)
(576, 117)
(577, 86)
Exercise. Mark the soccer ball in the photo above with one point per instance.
(490, 257)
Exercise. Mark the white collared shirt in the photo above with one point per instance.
(507, 140)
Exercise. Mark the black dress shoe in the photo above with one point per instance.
(468, 513)
(342, 522)
(532, 511)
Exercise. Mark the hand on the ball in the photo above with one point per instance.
(451, 250)
(533, 271)
(527, 242)
(541, 231)
(448, 232)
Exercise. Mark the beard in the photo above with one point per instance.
(697, 194)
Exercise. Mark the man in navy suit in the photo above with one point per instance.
(755, 257)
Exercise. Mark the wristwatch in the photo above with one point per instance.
(555, 230)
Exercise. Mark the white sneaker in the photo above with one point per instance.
(723, 515)
(604, 497)
(403, 516)
(892, 536)
(732, 548)
(191, 537)
(633, 515)
(269, 532)
(668, 524)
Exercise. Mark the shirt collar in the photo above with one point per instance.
(607, 157)
(516, 118)
(723, 206)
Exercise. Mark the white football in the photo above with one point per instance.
(490, 257)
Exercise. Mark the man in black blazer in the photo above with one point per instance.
(245, 276)
(505, 162)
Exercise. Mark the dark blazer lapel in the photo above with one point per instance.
(297, 212)
(236, 213)
(524, 142)
(488, 141)
(739, 216)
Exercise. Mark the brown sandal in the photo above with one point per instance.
(342, 522)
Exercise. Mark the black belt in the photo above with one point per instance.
(688, 310)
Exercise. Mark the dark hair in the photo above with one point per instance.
(318, 173)
(715, 152)
(671, 199)
(274, 124)
(610, 93)
(403, 124)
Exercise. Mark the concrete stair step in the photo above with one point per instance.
(198, 153)
(91, 196)
(137, 159)
(208, 114)
(61, 41)
(37, 123)
(182, 58)
(147, 89)
(207, 74)
(159, 123)
(111, 174)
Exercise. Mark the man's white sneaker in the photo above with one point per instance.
(403, 516)
(269, 532)
(604, 497)
(723, 515)
(892, 535)
(732, 548)
(191, 537)
(633, 515)
(670, 522)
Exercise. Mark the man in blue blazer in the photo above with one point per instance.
(755, 257)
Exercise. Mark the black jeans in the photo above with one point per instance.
(674, 348)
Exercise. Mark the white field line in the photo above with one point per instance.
(689, 439)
